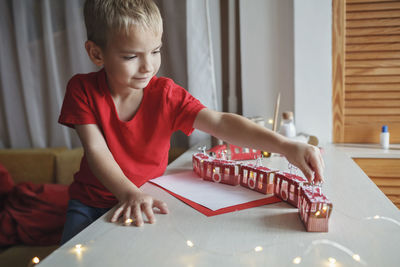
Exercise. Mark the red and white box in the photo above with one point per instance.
(287, 187)
(198, 163)
(315, 209)
(221, 171)
(257, 178)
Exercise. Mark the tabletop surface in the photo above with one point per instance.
(364, 230)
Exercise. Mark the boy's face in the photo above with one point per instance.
(131, 60)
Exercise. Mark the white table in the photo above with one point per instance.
(364, 230)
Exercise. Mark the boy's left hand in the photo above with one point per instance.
(307, 158)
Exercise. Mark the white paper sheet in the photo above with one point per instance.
(208, 194)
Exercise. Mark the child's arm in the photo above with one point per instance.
(132, 201)
(240, 131)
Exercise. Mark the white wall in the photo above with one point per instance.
(266, 29)
(286, 47)
(313, 67)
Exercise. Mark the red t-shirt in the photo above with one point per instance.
(139, 146)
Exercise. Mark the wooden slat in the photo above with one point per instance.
(373, 87)
(368, 1)
(387, 103)
(373, 47)
(372, 23)
(395, 199)
(372, 15)
(372, 71)
(372, 111)
(384, 63)
(378, 167)
(375, 39)
(390, 190)
(372, 6)
(369, 133)
(392, 121)
(369, 55)
(371, 95)
(386, 181)
(373, 31)
(372, 79)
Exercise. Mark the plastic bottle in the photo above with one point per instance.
(287, 127)
(385, 137)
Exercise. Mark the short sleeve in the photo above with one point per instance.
(76, 108)
(185, 108)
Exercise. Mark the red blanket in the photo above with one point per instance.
(32, 214)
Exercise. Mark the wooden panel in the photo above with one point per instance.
(372, 95)
(385, 173)
(375, 55)
(372, 23)
(369, 132)
(373, 87)
(375, 167)
(338, 60)
(373, 6)
(372, 103)
(372, 15)
(372, 71)
(384, 63)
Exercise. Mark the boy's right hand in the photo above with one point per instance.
(134, 204)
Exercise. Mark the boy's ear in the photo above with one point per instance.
(95, 53)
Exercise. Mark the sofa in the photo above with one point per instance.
(43, 166)
(39, 166)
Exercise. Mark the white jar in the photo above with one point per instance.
(287, 127)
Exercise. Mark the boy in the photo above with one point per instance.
(125, 115)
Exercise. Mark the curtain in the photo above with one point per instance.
(43, 47)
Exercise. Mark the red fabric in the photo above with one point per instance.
(6, 185)
(139, 146)
(31, 214)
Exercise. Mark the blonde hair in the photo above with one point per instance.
(103, 17)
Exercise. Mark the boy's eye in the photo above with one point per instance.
(156, 51)
(129, 58)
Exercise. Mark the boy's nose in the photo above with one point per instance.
(146, 65)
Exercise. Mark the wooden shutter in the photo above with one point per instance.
(366, 70)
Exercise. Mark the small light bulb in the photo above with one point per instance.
(78, 246)
(297, 260)
(258, 249)
(356, 257)
(324, 208)
(189, 243)
(317, 213)
(376, 217)
(270, 121)
(35, 260)
(332, 260)
(128, 221)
